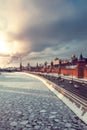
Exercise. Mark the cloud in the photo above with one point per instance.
(51, 24)
(39, 25)
(4, 55)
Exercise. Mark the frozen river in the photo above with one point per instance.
(27, 104)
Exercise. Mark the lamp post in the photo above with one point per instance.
(72, 76)
(59, 69)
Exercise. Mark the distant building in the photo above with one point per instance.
(60, 62)
(65, 62)
(74, 59)
(56, 62)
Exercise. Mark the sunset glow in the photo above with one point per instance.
(3, 46)
(10, 48)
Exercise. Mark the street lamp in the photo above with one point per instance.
(59, 69)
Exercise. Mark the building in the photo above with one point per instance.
(74, 59)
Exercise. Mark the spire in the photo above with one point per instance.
(20, 63)
(20, 66)
(81, 57)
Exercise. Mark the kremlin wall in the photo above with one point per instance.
(79, 71)
(74, 67)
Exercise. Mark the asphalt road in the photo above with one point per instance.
(27, 104)
(78, 88)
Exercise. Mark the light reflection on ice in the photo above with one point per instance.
(20, 82)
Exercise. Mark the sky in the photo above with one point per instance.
(41, 30)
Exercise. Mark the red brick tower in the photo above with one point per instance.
(80, 67)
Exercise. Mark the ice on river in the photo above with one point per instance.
(27, 104)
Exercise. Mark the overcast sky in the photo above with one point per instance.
(40, 30)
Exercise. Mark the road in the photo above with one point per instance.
(27, 104)
(77, 88)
